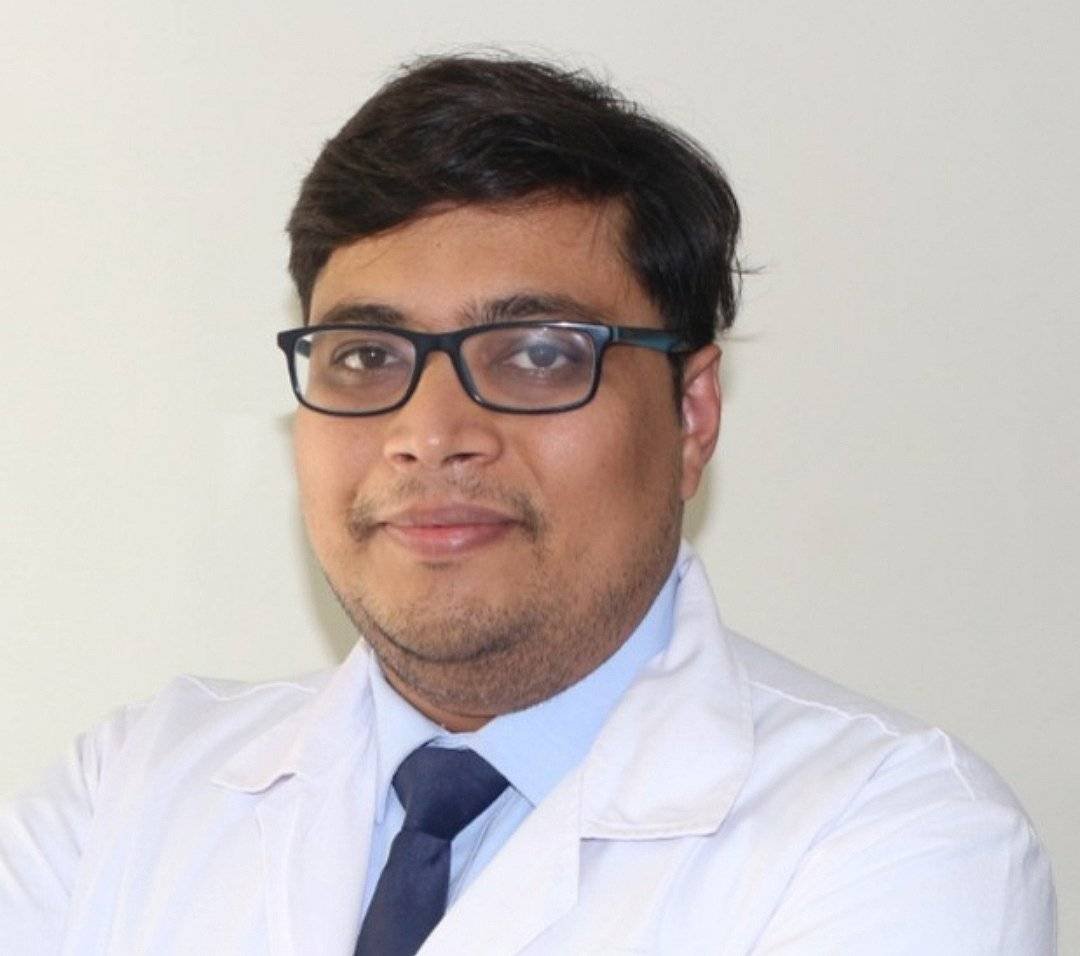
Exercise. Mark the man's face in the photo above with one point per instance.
(492, 559)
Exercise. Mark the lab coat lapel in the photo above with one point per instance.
(531, 883)
(678, 747)
(312, 779)
(668, 764)
(315, 847)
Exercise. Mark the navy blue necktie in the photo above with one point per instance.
(442, 791)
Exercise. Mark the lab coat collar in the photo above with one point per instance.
(675, 752)
(669, 761)
(336, 721)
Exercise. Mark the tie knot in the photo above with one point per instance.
(443, 791)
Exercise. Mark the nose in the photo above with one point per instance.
(440, 425)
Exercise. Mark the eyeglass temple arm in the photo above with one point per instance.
(649, 338)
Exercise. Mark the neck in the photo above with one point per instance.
(454, 721)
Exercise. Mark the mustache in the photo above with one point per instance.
(365, 515)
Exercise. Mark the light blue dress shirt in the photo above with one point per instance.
(533, 748)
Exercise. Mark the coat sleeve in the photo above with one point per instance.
(42, 834)
(965, 877)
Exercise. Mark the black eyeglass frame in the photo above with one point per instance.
(603, 336)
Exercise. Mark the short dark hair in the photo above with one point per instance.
(489, 129)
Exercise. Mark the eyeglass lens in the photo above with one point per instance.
(365, 370)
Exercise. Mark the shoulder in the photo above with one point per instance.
(798, 711)
(192, 718)
(195, 702)
(145, 748)
(896, 817)
(812, 740)
(192, 702)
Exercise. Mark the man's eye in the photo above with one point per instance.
(365, 358)
(539, 356)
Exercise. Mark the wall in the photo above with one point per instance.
(894, 501)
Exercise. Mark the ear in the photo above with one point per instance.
(700, 403)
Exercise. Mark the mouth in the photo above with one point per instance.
(446, 531)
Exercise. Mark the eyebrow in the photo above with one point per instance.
(362, 313)
(517, 307)
(526, 305)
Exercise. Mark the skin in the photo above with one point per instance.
(474, 617)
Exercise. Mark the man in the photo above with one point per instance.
(546, 742)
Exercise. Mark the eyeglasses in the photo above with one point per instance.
(520, 367)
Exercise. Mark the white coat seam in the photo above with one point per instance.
(829, 708)
(962, 777)
(954, 764)
(248, 690)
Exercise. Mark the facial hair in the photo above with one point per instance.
(468, 655)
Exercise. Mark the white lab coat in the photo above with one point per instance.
(732, 804)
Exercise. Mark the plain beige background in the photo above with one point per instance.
(894, 501)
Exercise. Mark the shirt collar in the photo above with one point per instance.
(399, 730)
(536, 747)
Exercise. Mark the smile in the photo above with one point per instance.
(446, 531)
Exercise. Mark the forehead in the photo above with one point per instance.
(434, 267)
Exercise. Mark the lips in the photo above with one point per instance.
(446, 531)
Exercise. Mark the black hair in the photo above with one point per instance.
(489, 129)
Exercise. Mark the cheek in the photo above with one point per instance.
(330, 462)
(612, 473)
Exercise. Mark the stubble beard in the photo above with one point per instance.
(469, 656)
